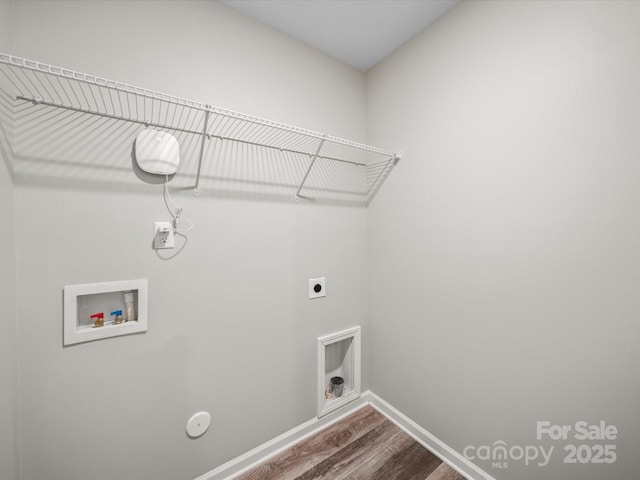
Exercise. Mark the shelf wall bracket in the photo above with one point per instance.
(313, 160)
(384, 173)
(196, 188)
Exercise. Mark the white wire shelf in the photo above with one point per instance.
(245, 148)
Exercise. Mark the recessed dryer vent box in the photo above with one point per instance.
(338, 356)
(81, 302)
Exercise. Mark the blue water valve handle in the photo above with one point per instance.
(117, 317)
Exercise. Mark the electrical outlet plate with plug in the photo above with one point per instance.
(164, 237)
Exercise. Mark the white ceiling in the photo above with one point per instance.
(358, 32)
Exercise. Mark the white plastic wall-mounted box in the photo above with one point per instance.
(339, 354)
(84, 300)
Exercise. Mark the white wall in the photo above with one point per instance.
(9, 431)
(231, 330)
(502, 261)
(504, 252)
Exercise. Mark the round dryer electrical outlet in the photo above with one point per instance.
(198, 424)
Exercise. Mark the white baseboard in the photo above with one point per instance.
(260, 454)
(452, 457)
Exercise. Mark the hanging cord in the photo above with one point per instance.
(178, 225)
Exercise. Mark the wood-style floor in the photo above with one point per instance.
(363, 446)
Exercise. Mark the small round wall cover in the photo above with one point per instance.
(198, 424)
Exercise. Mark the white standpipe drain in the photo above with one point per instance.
(198, 424)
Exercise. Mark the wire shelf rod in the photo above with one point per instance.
(37, 101)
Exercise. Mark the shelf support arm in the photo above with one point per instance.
(313, 160)
(382, 176)
(196, 188)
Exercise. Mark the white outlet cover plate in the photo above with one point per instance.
(198, 424)
(312, 285)
(158, 242)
